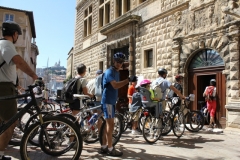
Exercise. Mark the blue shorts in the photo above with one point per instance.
(108, 110)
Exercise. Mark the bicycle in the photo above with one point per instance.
(43, 124)
(195, 119)
(88, 129)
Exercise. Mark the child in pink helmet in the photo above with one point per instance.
(146, 84)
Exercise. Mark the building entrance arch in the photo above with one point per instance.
(205, 65)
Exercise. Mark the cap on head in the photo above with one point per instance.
(9, 27)
(213, 80)
(99, 71)
(133, 79)
(178, 77)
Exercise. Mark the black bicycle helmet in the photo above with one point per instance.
(162, 71)
(119, 56)
(9, 27)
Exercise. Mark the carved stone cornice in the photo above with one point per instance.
(198, 4)
(119, 22)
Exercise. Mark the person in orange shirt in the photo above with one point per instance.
(131, 91)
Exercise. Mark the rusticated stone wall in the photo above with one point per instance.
(175, 30)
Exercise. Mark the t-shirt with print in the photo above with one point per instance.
(131, 90)
(165, 84)
(8, 70)
(110, 94)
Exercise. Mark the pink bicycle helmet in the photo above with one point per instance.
(145, 81)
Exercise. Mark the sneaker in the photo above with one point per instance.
(6, 158)
(215, 126)
(103, 150)
(134, 132)
(17, 135)
(114, 153)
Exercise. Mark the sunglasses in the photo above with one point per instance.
(120, 61)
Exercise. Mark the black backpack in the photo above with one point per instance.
(70, 88)
(171, 93)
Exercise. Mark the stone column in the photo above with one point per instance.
(234, 62)
(233, 103)
(131, 63)
(175, 57)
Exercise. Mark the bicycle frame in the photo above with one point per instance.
(5, 126)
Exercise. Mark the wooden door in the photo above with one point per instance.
(122, 92)
(198, 80)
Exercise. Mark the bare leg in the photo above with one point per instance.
(134, 125)
(6, 136)
(110, 126)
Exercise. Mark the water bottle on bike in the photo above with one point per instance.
(93, 119)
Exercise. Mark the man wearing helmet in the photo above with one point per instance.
(178, 86)
(210, 96)
(9, 61)
(111, 84)
(164, 85)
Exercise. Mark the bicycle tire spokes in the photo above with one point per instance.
(57, 136)
(152, 129)
(178, 123)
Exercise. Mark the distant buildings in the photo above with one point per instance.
(53, 76)
(25, 46)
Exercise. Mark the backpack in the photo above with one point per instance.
(39, 90)
(69, 89)
(99, 85)
(157, 90)
(209, 93)
(171, 93)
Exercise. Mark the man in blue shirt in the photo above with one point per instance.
(111, 84)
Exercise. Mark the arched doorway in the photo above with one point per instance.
(204, 66)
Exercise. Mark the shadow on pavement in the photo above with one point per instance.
(128, 153)
(188, 143)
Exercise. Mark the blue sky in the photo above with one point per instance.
(54, 23)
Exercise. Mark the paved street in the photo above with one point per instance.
(197, 146)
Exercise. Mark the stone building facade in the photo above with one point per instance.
(25, 46)
(198, 39)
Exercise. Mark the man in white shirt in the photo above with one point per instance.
(9, 61)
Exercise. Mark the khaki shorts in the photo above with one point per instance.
(8, 108)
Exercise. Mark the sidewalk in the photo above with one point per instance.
(198, 146)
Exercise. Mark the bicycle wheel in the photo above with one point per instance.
(140, 122)
(126, 119)
(152, 129)
(19, 129)
(117, 131)
(93, 133)
(196, 121)
(167, 123)
(32, 120)
(178, 123)
(66, 136)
